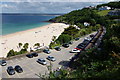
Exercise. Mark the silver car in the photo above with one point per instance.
(42, 61)
(51, 58)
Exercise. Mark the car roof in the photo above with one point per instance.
(57, 47)
(41, 59)
(50, 56)
(10, 67)
(33, 53)
(17, 65)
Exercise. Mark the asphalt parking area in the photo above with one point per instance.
(31, 68)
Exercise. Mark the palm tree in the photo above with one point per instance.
(20, 44)
(37, 44)
(26, 46)
(54, 38)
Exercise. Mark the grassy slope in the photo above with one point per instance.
(103, 13)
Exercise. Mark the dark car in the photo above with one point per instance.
(77, 39)
(51, 58)
(10, 70)
(29, 55)
(46, 51)
(81, 46)
(57, 48)
(66, 45)
(85, 42)
(18, 69)
(3, 63)
(92, 35)
(34, 54)
(70, 42)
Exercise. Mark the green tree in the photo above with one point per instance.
(64, 38)
(26, 46)
(20, 44)
(54, 38)
(37, 44)
(92, 22)
(11, 53)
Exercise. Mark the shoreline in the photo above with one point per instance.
(11, 34)
(26, 29)
(42, 35)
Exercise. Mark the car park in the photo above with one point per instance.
(50, 58)
(29, 55)
(57, 48)
(75, 50)
(3, 63)
(18, 69)
(10, 70)
(46, 51)
(42, 61)
(66, 45)
(34, 54)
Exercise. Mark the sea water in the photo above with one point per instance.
(14, 23)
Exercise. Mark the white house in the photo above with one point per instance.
(104, 8)
(86, 24)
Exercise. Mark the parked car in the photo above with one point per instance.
(18, 69)
(3, 63)
(29, 55)
(66, 45)
(88, 38)
(35, 54)
(42, 61)
(46, 51)
(57, 48)
(92, 35)
(77, 39)
(71, 42)
(85, 42)
(82, 44)
(75, 50)
(10, 70)
(51, 58)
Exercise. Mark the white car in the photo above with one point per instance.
(88, 38)
(42, 61)
(75, 50)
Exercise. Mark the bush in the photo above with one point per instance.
(11, 53)
(64, 38)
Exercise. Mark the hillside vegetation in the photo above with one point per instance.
(93, 63)
(103, 13)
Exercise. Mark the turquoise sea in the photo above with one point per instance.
(12, 23)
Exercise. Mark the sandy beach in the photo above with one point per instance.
(42, 35)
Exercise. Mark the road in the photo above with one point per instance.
(31, 68)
